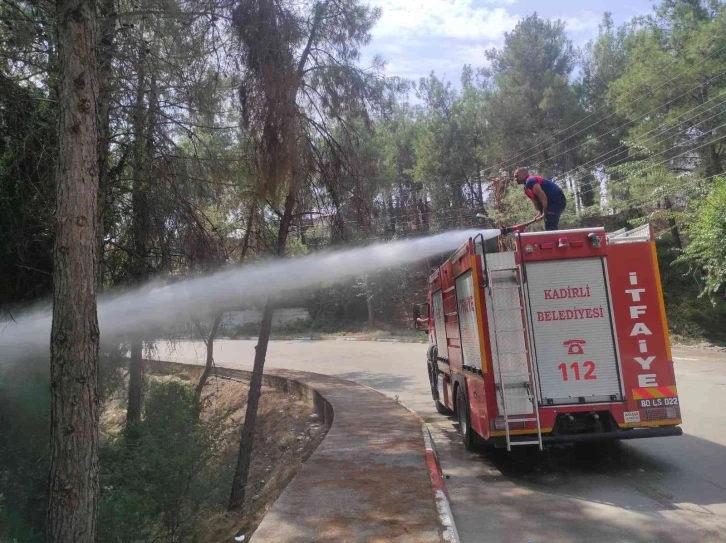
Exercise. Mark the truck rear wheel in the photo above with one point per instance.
(468, 435)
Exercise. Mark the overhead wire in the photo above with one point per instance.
(680, 181)
(518, 158)
(627, 123)
(576, 178)
(448, 215)
(639, 140)
(414, 215)
(653, 166)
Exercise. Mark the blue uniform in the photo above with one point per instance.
(556, 200)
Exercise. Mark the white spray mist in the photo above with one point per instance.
(152, 305)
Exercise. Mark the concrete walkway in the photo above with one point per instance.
(367, 482)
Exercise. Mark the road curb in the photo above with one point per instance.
(443, 502)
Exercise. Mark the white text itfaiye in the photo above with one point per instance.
(641, 329)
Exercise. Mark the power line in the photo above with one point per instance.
(443, 214)
(674, 184)
(576, 178)
(653, 166)
(517, 159)
(638, 140)
(626, 123)
(413, 216)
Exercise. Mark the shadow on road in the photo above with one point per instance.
(684, 469)
(611, 492)
(384, 382)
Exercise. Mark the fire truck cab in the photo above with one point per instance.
(563, 339)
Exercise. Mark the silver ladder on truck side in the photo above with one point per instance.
(500, 281)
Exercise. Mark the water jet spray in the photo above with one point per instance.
(140, 310)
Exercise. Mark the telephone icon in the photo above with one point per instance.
(574, 346)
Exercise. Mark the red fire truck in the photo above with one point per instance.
(563, 339)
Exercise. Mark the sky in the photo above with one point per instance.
(418, 36)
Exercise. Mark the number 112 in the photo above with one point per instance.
(575, 367)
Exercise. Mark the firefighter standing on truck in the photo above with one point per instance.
(547, 197)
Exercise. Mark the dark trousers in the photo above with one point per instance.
(552, 216)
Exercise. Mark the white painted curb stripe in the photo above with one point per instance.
(443, 505)
(447, 519)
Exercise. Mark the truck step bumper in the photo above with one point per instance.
(635, 433)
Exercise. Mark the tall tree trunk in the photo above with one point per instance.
(136, 365)
(73, 481)
(210, 355)
(672, 224)
(244, 458)
(139, 230)
(713, 161)
(391, 214)
(248, 231)
(369, 304)
(480, 189)
(423, 206)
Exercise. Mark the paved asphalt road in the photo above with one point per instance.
(667, 489)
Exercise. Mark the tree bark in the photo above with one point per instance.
(369, 304)
(713, 167)
(210, 355)
(74, 341)
(672, 224)
(391, 214)
(246, 444)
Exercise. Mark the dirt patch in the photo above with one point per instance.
(287, 433)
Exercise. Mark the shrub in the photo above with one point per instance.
(158, 478)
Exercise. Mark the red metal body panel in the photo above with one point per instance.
(567, 244)
(641, 325)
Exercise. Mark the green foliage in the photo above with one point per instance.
(690, 316)
(531, 97)
(672, 80)
(24, 421)
(159, 481)
(27, 193)
(706, 228)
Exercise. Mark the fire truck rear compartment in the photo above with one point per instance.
(572, 329)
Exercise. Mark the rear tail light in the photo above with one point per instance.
(498, 424)
(662, 413)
